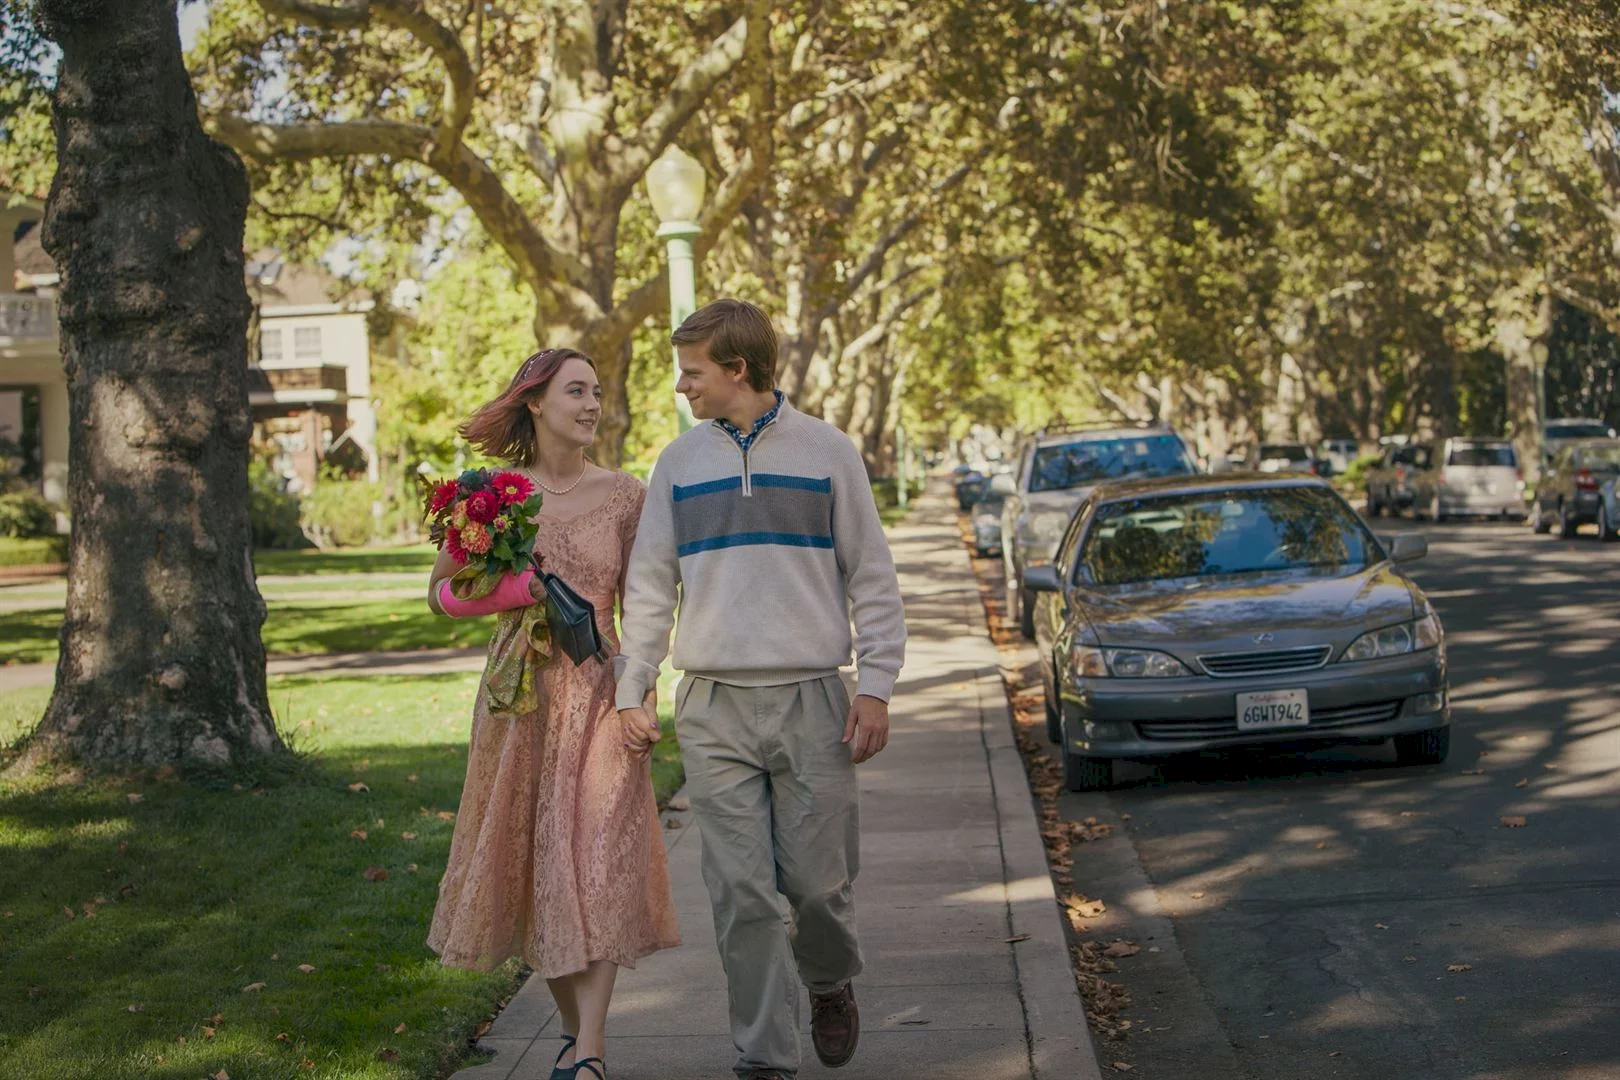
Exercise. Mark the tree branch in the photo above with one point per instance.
(686, 94)
(411, 16)
(537, 262)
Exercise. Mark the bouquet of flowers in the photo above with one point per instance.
(485, 519)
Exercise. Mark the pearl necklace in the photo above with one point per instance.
(563, 491)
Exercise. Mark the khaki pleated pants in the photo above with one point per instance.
(773, 793)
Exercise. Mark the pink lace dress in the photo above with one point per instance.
(558, 856)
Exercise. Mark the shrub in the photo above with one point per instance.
(272, 510)
(25, 514)
(1355, 473)
(341, 513)
(41, 551)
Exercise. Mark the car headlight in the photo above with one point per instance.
(1094, 663)
(1397, 640)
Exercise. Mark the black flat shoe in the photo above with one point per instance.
(557, 1070)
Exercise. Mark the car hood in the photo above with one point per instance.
(1294, 608)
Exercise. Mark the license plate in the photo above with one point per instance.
(1271, 709)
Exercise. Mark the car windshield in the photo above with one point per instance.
(1285, 452)
(1482, 455)
(1224, 532)
(1577, 431)
(1080, 463)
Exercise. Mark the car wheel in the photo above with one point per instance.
(1054, 719)
(1567, 525)
(1539, 522)
(1026, 614)
(1423, 747)
(1606, 530)
(1082, 773)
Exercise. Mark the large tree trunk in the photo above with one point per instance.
(1522, 328)
(161, 661)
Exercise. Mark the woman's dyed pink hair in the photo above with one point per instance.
(503, 428)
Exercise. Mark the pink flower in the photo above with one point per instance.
(444, 493)
(452, 544)
(482, 506)
(512, 487)
(476, 539)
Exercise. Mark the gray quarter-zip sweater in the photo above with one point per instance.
(770, 552)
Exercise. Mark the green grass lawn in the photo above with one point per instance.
(155, 930)
(292, 626)
(413, 559)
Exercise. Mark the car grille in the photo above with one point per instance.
(1321, 719)
(1273, 661)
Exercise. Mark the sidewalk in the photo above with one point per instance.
(967, 974)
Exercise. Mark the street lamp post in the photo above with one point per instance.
(675, 183)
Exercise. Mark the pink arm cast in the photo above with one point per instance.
(512, 592)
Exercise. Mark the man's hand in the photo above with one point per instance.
(640, 727)
(868, 726)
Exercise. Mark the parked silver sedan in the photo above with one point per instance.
(1200, 613)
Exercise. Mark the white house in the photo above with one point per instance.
(310, 389)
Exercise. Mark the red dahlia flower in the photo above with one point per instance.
(443, 495)
(482, 507)
(452, 544)
(512, 487)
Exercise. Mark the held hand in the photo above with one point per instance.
(640, 730)
(867, 726)
(537, 589)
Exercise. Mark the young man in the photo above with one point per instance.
(761, 523)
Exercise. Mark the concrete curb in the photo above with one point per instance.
(1060, 1043)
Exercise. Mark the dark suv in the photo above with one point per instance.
(1057, 468)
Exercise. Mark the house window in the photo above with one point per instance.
(269, 346)
(307, 343)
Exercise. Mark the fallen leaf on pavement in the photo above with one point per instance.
(1335, 1053)
(253, 987)
(680, 802)
(1462, 997)
(1017, 938)
(1117, 949)
(1473, 772)
(1515, 821)
(1321, 844)
(1523, 783)
(1458, 968)
(1197, 895)
(1120, 1066)
(1380, 926)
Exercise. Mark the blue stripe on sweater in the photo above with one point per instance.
(716, 543)
(822, 484)
(692, 491)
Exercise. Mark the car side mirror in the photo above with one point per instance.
(1407, 547)
(1002, 484)
(1042, 579)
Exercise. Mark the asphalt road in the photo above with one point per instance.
(1332, 915)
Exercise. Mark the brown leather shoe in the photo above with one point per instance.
(835, 1025)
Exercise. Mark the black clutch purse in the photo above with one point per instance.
(571, 618)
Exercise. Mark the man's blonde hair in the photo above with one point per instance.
(739, 335)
